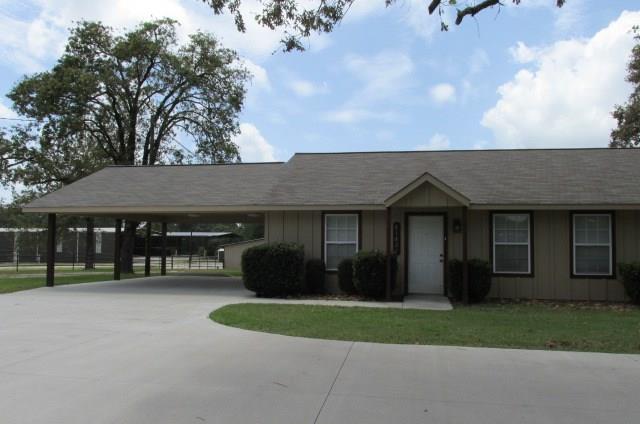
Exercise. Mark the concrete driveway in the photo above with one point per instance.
(144, 351)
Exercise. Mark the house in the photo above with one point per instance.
(232, 252)
(553, 223)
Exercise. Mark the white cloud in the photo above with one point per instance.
(567, 97)
(253, 146)
(443, 93)
(567, 18)
(418, 19)
(383, 75)
(521, 53)
(436, 142)
(5, 112)
(260, 76)
(304, 88)
(363, 9)
(479, 61)
(354, 115)
(30, 42)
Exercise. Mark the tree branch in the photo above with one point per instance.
(473, 10)
(433, 6)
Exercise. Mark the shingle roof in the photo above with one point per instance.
(189, 185)
(485, 177)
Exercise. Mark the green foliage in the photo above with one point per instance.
(345, 276)
(369, 273)
(299, 20)
(273, 270)
(479, 279)
(124, 98)
(630, 274)
(314, 276)
(627, 132)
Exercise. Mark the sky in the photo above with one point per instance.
(528, 76)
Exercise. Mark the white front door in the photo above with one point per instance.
(426, 254)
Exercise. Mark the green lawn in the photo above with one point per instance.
(526, 326)
(25, 280)
(13, 284)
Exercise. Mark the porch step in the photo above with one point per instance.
(434, 302)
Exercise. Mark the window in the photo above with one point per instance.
(512, 243)
(340, 238)
(592, 244)
(98, 243)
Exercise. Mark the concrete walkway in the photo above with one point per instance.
(144, 351)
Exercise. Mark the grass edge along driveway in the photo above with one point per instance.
(13, 282)
(521, 326)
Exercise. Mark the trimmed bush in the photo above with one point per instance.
(370, 273)
(345, 276)
(479, 279)
(314, 276)
(630, 274)
(273, 270)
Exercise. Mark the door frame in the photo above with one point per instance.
(445, 276)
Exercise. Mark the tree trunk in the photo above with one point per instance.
(90, 246)
(128, 243)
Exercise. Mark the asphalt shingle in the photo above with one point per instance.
(485, 177)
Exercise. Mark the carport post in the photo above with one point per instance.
(163, 255)
(116, 250)
(51, 249)
(147, 251)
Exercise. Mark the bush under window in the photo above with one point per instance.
(479, 279)
(345, 276)
(370, 273)
(273, 270)
(314, 276)
(630, 274)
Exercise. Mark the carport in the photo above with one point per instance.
(157, 194)
(220, 218)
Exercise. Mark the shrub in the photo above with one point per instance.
(345, 276)
(479, 279)
(370, 273)
(630, 274)
(272, 270)
(314, 276)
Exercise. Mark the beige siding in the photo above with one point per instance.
(233, 253)
(427, 195)
(305, 228)
(552, 258)
(551, 279)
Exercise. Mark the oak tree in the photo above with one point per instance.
(125, 98)
(627, 132)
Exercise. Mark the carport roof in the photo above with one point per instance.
(483, 178)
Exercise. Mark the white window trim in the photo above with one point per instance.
(357, 241)
(576, 244)
(502, 243)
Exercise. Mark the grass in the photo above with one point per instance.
(12, 282)
(523, 326)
